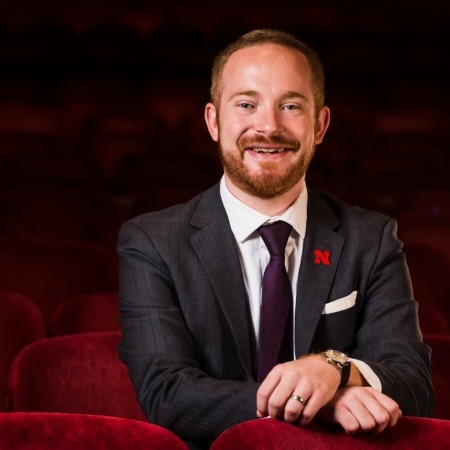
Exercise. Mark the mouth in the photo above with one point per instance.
(269, 150)
(268, 146)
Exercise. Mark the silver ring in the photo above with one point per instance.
(299, 399)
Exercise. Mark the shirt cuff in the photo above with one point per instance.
(368, 374)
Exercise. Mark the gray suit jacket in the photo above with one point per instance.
(188, 338)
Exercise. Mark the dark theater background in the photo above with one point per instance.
(101, 119)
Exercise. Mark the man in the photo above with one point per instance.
(191, 275)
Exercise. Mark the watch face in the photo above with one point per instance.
(337, 356)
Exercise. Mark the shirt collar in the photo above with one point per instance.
(244, 221)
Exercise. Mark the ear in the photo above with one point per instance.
(323, 120)
(211, 121)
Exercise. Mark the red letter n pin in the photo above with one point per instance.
(322, 257)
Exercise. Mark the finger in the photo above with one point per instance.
(311, 408)
(348, 421)
(274, 392)
(260, 415)
(294, 407)
(390, 404)
(279, 400)
(391, 407)
(338, 412)
(265, 391)
(371, 413)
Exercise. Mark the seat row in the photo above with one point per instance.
(73, 431)
(81, 375)
(50, 270)
(89, 324)
(47, 431)
(53, 286)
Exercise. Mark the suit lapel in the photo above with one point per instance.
(216, 248)
(215, 245)
(316, 276)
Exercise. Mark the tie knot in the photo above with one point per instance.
(275, 235)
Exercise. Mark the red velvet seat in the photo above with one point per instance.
(86, 313)
(440, 372)
(49, 270)
(78, 373)
(21, 322)
(270, 434)
(49, 431)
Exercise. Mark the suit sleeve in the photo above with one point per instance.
(161, 354)
(389, 338)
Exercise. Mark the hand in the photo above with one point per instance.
(358, 408)
(311, 377)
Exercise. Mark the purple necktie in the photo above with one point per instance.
(276, 328)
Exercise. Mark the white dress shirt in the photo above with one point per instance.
(253, 253)
(254, 256)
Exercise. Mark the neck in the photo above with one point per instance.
(272, 206)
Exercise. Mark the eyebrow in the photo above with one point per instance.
(288, 94)
(295, 94)
(246, 93)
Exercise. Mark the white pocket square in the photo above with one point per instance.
(340, 304)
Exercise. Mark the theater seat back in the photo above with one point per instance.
(79, 373)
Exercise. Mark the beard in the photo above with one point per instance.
(270, 180)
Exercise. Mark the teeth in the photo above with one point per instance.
(269, 150)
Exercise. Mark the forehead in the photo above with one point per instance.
(260, 61)
(268, 70)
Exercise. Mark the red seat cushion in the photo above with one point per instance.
(46, 431)
(270, 434)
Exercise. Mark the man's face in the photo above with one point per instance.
(265, 124)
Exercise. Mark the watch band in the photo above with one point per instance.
(345, 374)
(341, 361)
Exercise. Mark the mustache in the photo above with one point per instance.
(248, 141)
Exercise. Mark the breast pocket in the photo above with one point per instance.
(337, 325)
(340, 304)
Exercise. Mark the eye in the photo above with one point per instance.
(291, 107)
(245, 105)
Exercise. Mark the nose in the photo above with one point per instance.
(269, 121)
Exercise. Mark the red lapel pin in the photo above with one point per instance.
(322, 257)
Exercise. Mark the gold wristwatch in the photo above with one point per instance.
(341, 361)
